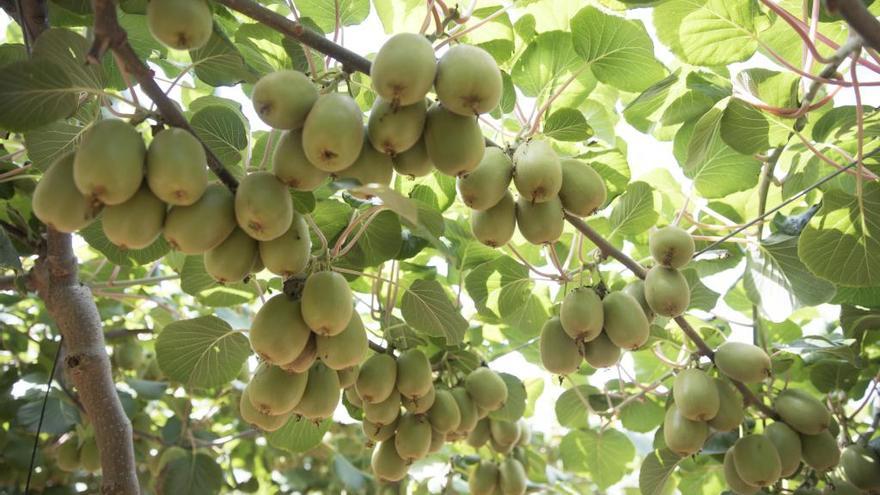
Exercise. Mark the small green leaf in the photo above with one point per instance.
(572, 406)
(34, 93)
(223, 130)
(642, 416)
(427, 308)
(219, 63)
(603, 455)
(192, 473)
(545, 63)
(634, 212)
(829, 375)
(567, 124)
(656, 470)
(202, 352)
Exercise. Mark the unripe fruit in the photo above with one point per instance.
(379, 433)
(683, 436)
(444, 415)
(371, 167)
(202, 225)
(537, 172)
(377, 378)
(734, 482)
(67, 456)
(494, 227)
(263, 206)
(414, 377)
(233, 259)
(625, 322)
(455, 143)
(326, 303)
(305, 359)
(404, 69)
(525, 433)
(282, 99)
(486, 388)
(600, 352)
(414, 162)
(387, 465)
(89, 455)
(180, 24)
(177, 170)
(862, 467)
(820, 451)
(274, 391)
(290, 165)
(696, 395)
(540, 223)
(636, 289)
(421, 404)
(742, 362)
(58, 203)
(345, 349)
(756, 460)
(581, 314)
(468, 80)
(559, 352)
(467, 410)
(347, 376)
(802, 411)
(730, 411)
(480, 434)
(352, 395)
(129, 355)
(279, 334)
(136, 223)
(251, 415)
(322, 392)
(505, 433)
(413, 438)
(583, 190)
(667, 291)
(109, 164)
(437, 441)
(671, 246)
(385, 412)
(788, 445)
(512, 477)
(484, 187)
(333, 134)
(841, 486)
(483, 479)
(288, 254)
(393, 130)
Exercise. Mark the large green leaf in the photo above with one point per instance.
(572, 407)
(219, 63)
(192, 473)
(299, 435)
(202, 352)
(656, 470)
(634, 212)
(567, 124)
(515, 404)
(34, 93)
(719, 31)
(223, 130)
(400, 15)
(603, 455)
(67, 50)
(427, 308)
(326, 13)
(546, 62)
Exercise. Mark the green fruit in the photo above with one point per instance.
(444, 415)
(483, 479)
(840, 486)
(671, 246)
(820, 451)
(494, 227)
(333, 134)
(136, 223)
(455, 143)
(393, 130)
(788, 445)
(327, 303)
(625, 322)
(67, 456)
(279, 334)
(385, 412)
(504, 432)
(109, 164)
(180, 24)
(540, 223)
(415, 161)
(486, 185)
(537, 172)
(487, 388)
(263, 206)
(862, 467)
(377, 378)
(58, 203)
(347, 376)
(802, 411)
(696, 395)
(377, 433)
(274, 391)
(404, 68)
(413, 438)
(525, 433)
(202, 225)
(734, 482)
(414, 377)
(321, 397)
(386, 464)
(129, 355)
(467, 410)
(756, 460)
(559, 352)
(667, 291)
(345, 349)
(437, 441)
(352, 396)
(480, 434)
(636, 289)
(421, 404)
(177, 170)
(730, 411)
(371, 167)
(290, 165)
(89, 455)
(600, 352)
(581, 314)
(468, 80)
(683, 436)
(742, 362)
(305, 359)
(282, 99)
(233, 259)
(583, 190)
(288, 254)
(512, 477)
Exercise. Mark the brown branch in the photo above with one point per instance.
(109, 35)
(638, 270)
(34, 19)
(72, 307)
(123, 333)
(859, 19)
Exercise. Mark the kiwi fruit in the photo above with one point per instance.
(385, 412)
(273, 391)
(559, 352)
(731, 476)
(757, 460)
(540, 223)
(487, 388)
(480, 434)
(289, 253)
(67, 455)
(327, 303)
(395, 129)
(283, 99)
(625, 322)
(696, 395)
(413, 162)
(377, 433)
(512, 478)
(671, 246)
(177, 167)
(483, 479)
(742, 362)
(730, 407)
(108, 167)
(802, 411)
(233, 259)
(333, 134)
(371, 167)
(581, 314)
(820, 451)
(683, 436)
(377, 378)
(494, 227)
(251, 415)
(404, 68)
(583, 191)
(667, 291)
(454, 143)
(129, 355)
(347, 376)
(444, 415)
(537, 172)
(322, 393)
(636, 289)
(89, 455)
(600, 352)
(263, 206)
(486, 185)
(290, 165)
(503, 432)
(788, 445)
(180, 24)
(420, 404)
(58, 203)
(278, 333)
(345, 349)
(414, 378)
(387, 465)
(305, 359)
(468, 80)
(862, 466)
(203, 225)
(413, 438)
(467, 410)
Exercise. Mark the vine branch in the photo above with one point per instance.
(859, 19)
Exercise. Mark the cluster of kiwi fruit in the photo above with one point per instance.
(76, 452)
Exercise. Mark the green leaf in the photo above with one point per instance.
(8, 255)
(634, 212)
(50, 142)
(34, 93)
(400, 15)
(614, 169)
(396, 202)
(94, 236)
(567, 124)
(219, 63)
(603, 455)
(642, 416)
(829, 375)
(194, 280)
(427, 308)
(515, 406)
(202, 352)
(326, 13)
(382, 239)
(656, 470)
(842, 241)
(192, 473)
(545, 63)
(572, 407)
(518, 303)
(702, 297)
(619, 51)
(67, 50)
(719, 32)
(299, 435)
(495, 36)
(223, 130)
